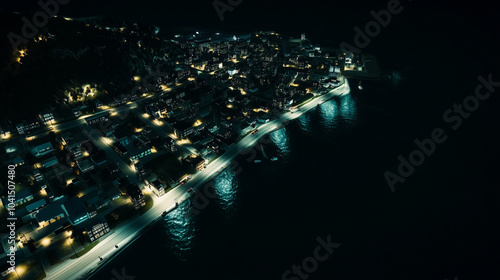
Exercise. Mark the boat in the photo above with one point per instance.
(360, 86)
(257, 161)
(274, 159)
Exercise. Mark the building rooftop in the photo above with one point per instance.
(75, 209)
(35, 205)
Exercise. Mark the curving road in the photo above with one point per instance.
(126, 233)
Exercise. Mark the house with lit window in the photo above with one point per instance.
(49, 162)
(196, 162)
(85, 166)
(18, 161)
(75, 210)
(42, 150)
(137, 150)
(95, 228)
(46, 117)
(183, 129)
(157, 187)
(20, 198)
(136, 196)
(27, 126)
(50, 214)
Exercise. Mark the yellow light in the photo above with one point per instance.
(21, 269)
(198, 123)
(6, 135)
(158, 123)
(68, 233)
(137, 78)
(107, 141)
(183, 141)
(173, 136)
(146, 115)
(46, 242)
(43, 192)
(229, 106)
(153, 150)
(164, 87)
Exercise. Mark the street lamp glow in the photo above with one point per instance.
(21, 269)
(46, 241)
(198, 123)
(158, 122)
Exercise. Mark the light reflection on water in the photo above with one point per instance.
(348, 109)
(226, 188)
(179, 226)
(339, 111)
(280, 139)
(328, 112)
(305, 123)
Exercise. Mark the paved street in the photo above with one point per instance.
(130, 230)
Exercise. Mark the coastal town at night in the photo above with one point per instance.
(244, 140)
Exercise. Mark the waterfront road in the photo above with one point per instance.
(126, 233)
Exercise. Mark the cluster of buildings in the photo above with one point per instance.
(211, 89)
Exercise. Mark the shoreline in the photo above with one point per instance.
(180, 194)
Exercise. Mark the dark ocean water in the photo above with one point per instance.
(441, 223)
(329, 181)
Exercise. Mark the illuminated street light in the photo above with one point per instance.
(46, 242)
(158, 122)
